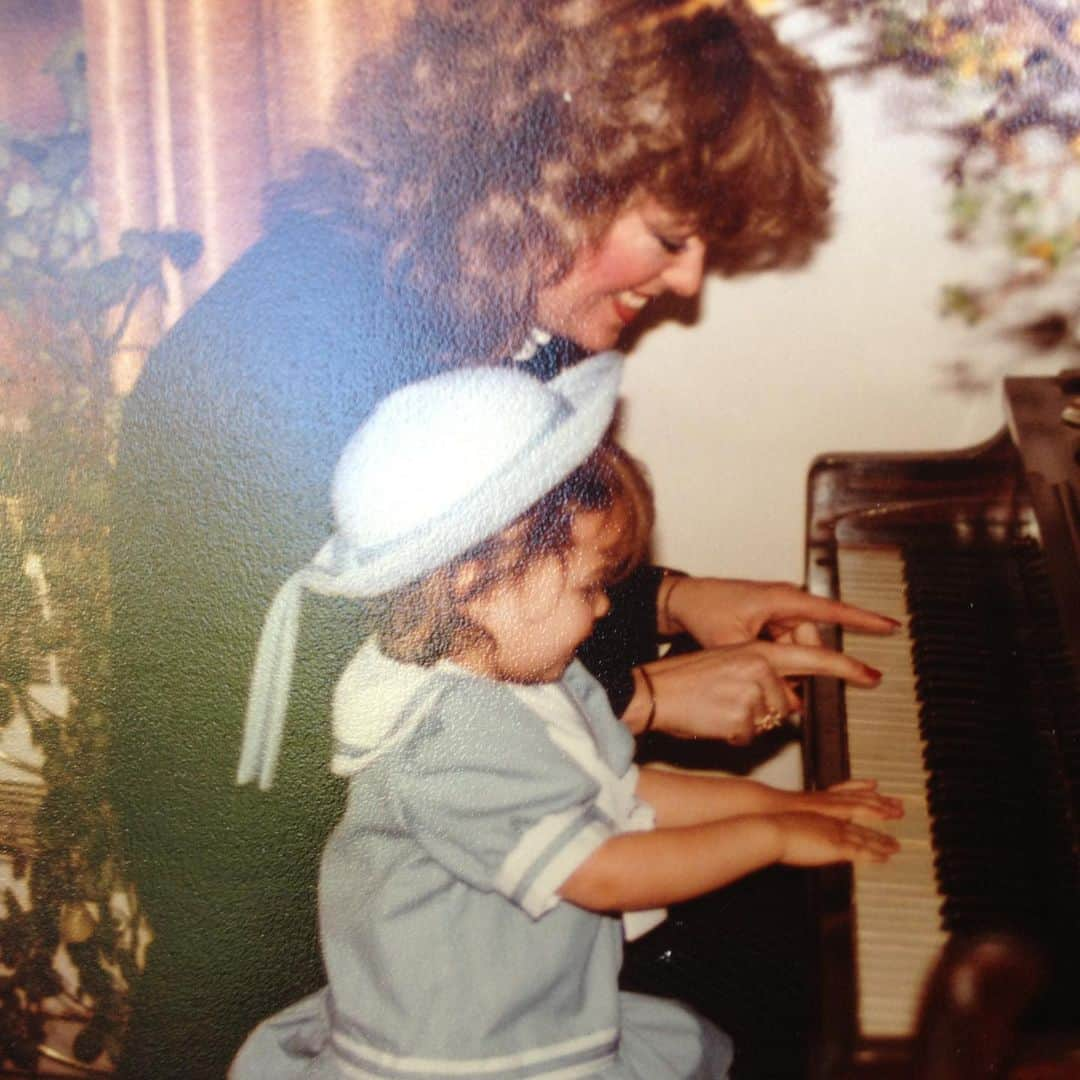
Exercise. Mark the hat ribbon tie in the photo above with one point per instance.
(268, 699)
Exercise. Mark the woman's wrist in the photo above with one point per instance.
(640, 714)
(667, 621)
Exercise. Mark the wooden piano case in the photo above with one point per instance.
(1028, 475)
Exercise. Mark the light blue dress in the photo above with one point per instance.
(448, 951)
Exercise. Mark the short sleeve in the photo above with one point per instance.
(484, 790)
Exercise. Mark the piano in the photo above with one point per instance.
(976, 725)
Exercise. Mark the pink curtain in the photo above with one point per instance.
(196, 104)
(30, 30)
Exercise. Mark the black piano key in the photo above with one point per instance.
(1002, 737)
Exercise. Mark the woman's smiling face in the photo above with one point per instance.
(647, 251)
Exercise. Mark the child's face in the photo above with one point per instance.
(538, 620)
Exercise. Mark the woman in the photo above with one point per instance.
(516, 179)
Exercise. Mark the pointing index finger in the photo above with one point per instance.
(823, 610)
(811, 660)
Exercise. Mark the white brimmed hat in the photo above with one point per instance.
(439, 466)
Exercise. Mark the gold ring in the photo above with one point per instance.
(770, 721)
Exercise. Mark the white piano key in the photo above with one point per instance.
(898, 933)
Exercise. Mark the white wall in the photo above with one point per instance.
(846, 354)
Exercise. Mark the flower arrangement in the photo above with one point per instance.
(1006, 76)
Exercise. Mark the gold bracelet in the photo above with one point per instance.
(652, 701)
(666, 611)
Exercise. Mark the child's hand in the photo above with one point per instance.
(817, 840)
(850, 800)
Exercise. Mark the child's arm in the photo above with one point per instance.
(641, 870)
(681, 798)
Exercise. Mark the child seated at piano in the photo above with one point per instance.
(498, 840)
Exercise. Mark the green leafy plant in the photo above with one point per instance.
(71, 933)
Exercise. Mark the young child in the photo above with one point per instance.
(496, 828)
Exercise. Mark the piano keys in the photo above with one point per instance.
(976, 724)
(898, 934)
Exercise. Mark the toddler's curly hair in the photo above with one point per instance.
(423, 622)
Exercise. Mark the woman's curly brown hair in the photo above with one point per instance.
(496, 138)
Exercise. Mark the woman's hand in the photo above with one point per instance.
(718, 611)
(818, 840)
(850, 800)
(730, 693)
